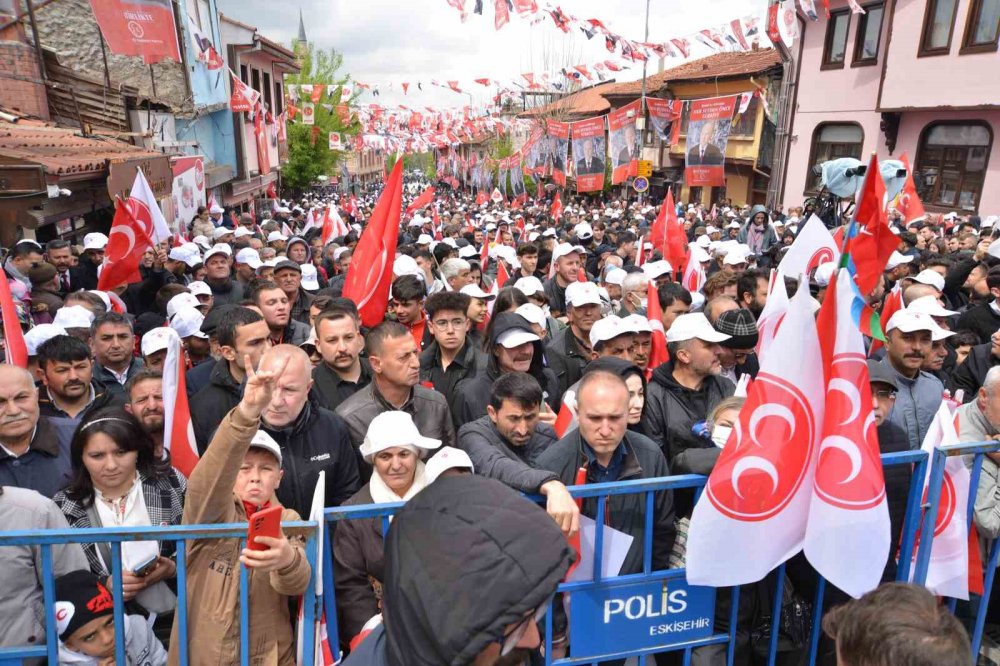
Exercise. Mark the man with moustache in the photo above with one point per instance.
(342, 372)
(68, 389)
(145, 402)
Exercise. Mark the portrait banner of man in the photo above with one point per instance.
(624, 142)
(516, 176)
(589, 148)
(558, 150)
(663, 112)
(707, 136)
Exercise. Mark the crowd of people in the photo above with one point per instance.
(462, 379)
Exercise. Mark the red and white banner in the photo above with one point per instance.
(589, 153)
(142, 28)
(847, 537)
(558, 150)
(204, 49)
(244, 98)
(707, 136)
(178, 432)
(752, 515)
(188, 191)
(663, 112)
(812, 246)
(624, 142)
(15, 348)
(261, 136)
(335, 141)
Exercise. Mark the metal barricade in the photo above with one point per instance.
(45, 539)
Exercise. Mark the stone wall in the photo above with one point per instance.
(22, 89)
(69, 28)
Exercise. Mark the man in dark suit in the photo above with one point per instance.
(630, 149)
(705, 153)
(589, 164)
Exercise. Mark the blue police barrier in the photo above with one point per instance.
(45, 539)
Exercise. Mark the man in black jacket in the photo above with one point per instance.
(569, 350)
(342, 372)
(312, 439)
(514, 347)
(453, 356)
(969, 376)
(685, 389)
(241, 333)
(506, 443)
(984, 319)
(84, 274)
(68, 388)
(610, 452)
(218, 275)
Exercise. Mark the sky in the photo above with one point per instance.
(391, 41)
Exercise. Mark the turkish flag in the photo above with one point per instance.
(694, 276)
(773, 313)
(556, 210)
(260, 134)
(370, 275)
(422, 200)
(908, 203)
(566, 418)
(654, 313)
(127, 242)
(244, 97)
(178, 433)
(667, 235)
(14, 346)
(502, 16)
(333, 225)
(873, 241)
(752, 515)
(847, 536)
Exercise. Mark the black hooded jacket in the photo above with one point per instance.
(671, 409)
(473, 395)
(317, 440)
(211, 404)
(464, 559)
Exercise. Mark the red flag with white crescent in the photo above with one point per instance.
(908, 202)
(654, 313)
(178, 433)
(127, 243)
(566, 418)
(772, 315)
(370, 275)
(556, 210)
(15, 349)
(422, 200)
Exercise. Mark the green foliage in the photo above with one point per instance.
(309, 154)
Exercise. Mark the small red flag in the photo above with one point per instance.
(556, 211)
(874, 242)
(15, 348)
(425, 198)
(178, 435)
(654, 313)
(127, 242)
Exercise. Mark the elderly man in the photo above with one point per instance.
(611, 452)
(569, 350)
(909, 338)
(218, 261)
(456, 272)
(686, 388)
(112, 342)
(737, 353)
(395, 363)
(34, 453)
(506, 443)
(567, 260)
(342, 372)
(288, 275)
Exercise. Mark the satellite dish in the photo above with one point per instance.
(894, 175)
(843, 176)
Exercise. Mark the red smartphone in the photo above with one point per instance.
(264, 523)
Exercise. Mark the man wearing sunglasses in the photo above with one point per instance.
(496, 559)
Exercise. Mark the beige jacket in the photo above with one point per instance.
(213, 579)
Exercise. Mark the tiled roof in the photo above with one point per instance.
(586, 102)
(62, 151)
(720, 65)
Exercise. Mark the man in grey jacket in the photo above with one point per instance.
(23, 509)
(506, 443)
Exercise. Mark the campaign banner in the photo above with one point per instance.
(187, 192)
(648, 615)
(245, 98)
(558, 151)
(663, 112)
(143, 28)
(624, 142)
(335, 141)
(707, 136)
(504, 175)
(516, 176)
(589, 149)
(308, 113)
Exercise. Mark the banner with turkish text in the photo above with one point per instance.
(558, 151)
(624, 142)
(663, 112)
(142, 28)
(589, 150)
(188, 191)
(244, 98)
(707, 136)
(308, 113)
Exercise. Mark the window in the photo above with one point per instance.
(951, 164)
(243, 74)
(832, 141)
(982, 29)
(279, 102)
(939, 20)
(747, 124)
(255, 79)
(835, 48)
(869, 36)
(267, 92)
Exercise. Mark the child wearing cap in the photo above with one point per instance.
(84, 611)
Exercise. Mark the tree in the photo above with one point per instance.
(309, 154)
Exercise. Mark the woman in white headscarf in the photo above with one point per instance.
(394, 447)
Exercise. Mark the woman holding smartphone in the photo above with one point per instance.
(117, 481)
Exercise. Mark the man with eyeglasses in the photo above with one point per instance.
(465, 617)
(453, 356)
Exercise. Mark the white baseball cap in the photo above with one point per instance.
(565, 248)
(529, 286)
(582, 293)
(703, 241)
(637, 324)
(615, 276)
(694, 325)
(531, 312)
(734, 257)
(216, 209)
(220, 232)
(467, 252)
(392, 429)
(187, 322)
(930, 278)
(607, 329)
(219, 248)
(199, 288)
(474, 291)
(248, 256)
(929, 305)
(202, 241)
(655, 269)
(276, 236)
(908, 321)
(95, 241)
(310, 277)
(896, 259)
(549, 232)
(39, 334)
(181, 300)
(157, 339)
(516, 337)
(584, 231)
(240, 232)
(261, 440)
(73, 316)
(424, 239)
(447, 458)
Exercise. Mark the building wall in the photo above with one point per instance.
(22, 89)
(950, 80)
